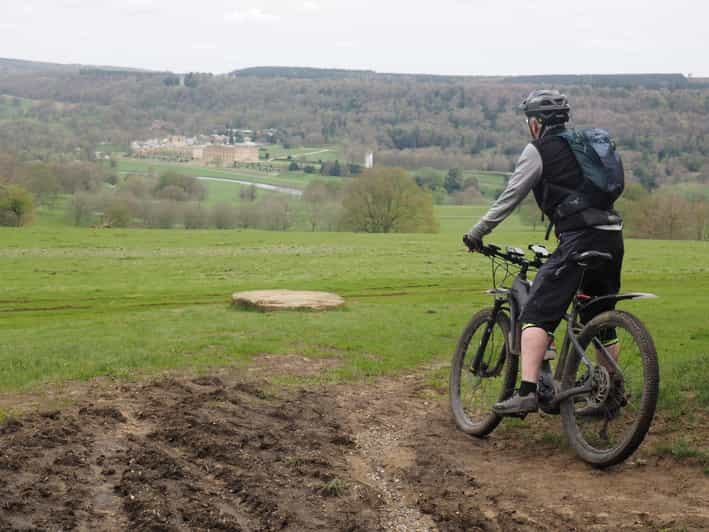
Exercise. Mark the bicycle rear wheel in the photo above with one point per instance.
(606, 426)
(473, 393)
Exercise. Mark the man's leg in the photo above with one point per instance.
(602, 282)
(613, 351)
(552, 290)
(535, 341)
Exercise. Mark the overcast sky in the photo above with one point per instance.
(486, 37)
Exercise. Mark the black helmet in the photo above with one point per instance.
(548, 104)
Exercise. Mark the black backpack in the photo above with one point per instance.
(603, 177)
(601, 166)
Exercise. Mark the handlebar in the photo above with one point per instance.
(516, 255)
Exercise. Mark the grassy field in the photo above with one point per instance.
(287, 179)
(490, 183)
(692, 191)
(79, 303)
(328, 152)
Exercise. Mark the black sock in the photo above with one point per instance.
(527, 388)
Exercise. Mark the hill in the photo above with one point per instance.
(20, 66)
(410, 120)
(650, 80)
(653, 81)
(302, 73)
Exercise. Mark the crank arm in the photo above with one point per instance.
(571, 392)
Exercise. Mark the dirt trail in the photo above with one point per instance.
(229, 453)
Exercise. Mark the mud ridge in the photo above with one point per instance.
(232, 452)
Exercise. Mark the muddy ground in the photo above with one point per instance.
(232, 452)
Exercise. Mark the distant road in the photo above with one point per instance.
(264, 186)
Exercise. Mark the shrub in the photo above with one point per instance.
(16, 206)
(195, 216)
(225, 216)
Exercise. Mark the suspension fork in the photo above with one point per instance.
(477, 360)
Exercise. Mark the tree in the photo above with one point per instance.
(118, 213)
(668, 217)
(332, 168)
(529, 213)
(385, 200)
(468, 196)
(16, 205)
(195, 216)
(41, 180)
(224, 216)
(247, 193)
(276, 213)
(453, 181)
(178, 187)
(81, 209)
(321, 197)
(700, 215)
(191, 80)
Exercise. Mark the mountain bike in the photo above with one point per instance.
(605, 392)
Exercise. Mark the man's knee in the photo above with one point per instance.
(548, 328)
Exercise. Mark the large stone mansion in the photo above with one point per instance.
(213, 149)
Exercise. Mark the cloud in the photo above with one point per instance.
(253, 15)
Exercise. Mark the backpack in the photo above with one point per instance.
(603, 177)
(601, 166)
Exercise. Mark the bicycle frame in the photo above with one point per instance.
(512, 300)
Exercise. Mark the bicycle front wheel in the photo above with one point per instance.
(473, 391)
(607, 425)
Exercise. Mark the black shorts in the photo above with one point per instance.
(556, 283)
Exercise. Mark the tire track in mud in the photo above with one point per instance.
(381, 457)
(513, 480)
(183, 455)
(234, 453)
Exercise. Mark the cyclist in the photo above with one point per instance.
(549, 169)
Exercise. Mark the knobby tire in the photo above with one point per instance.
(636, 431)
(481, 425)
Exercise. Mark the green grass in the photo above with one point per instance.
(682, 450)
(79, 303)
(221, 192)
(287, 179)
(490, 183)
(327, 152)
(691, 191)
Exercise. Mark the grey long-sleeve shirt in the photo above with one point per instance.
(527, 174)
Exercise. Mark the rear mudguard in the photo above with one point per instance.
(616, 298)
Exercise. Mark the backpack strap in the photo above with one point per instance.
(551, 224)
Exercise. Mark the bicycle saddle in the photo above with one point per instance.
(591, 259)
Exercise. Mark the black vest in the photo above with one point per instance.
(561, 178)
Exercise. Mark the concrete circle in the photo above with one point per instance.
(268, 300)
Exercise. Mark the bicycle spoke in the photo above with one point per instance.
(607, 419)
(482, 391)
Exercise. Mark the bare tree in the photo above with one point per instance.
(388, 200)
